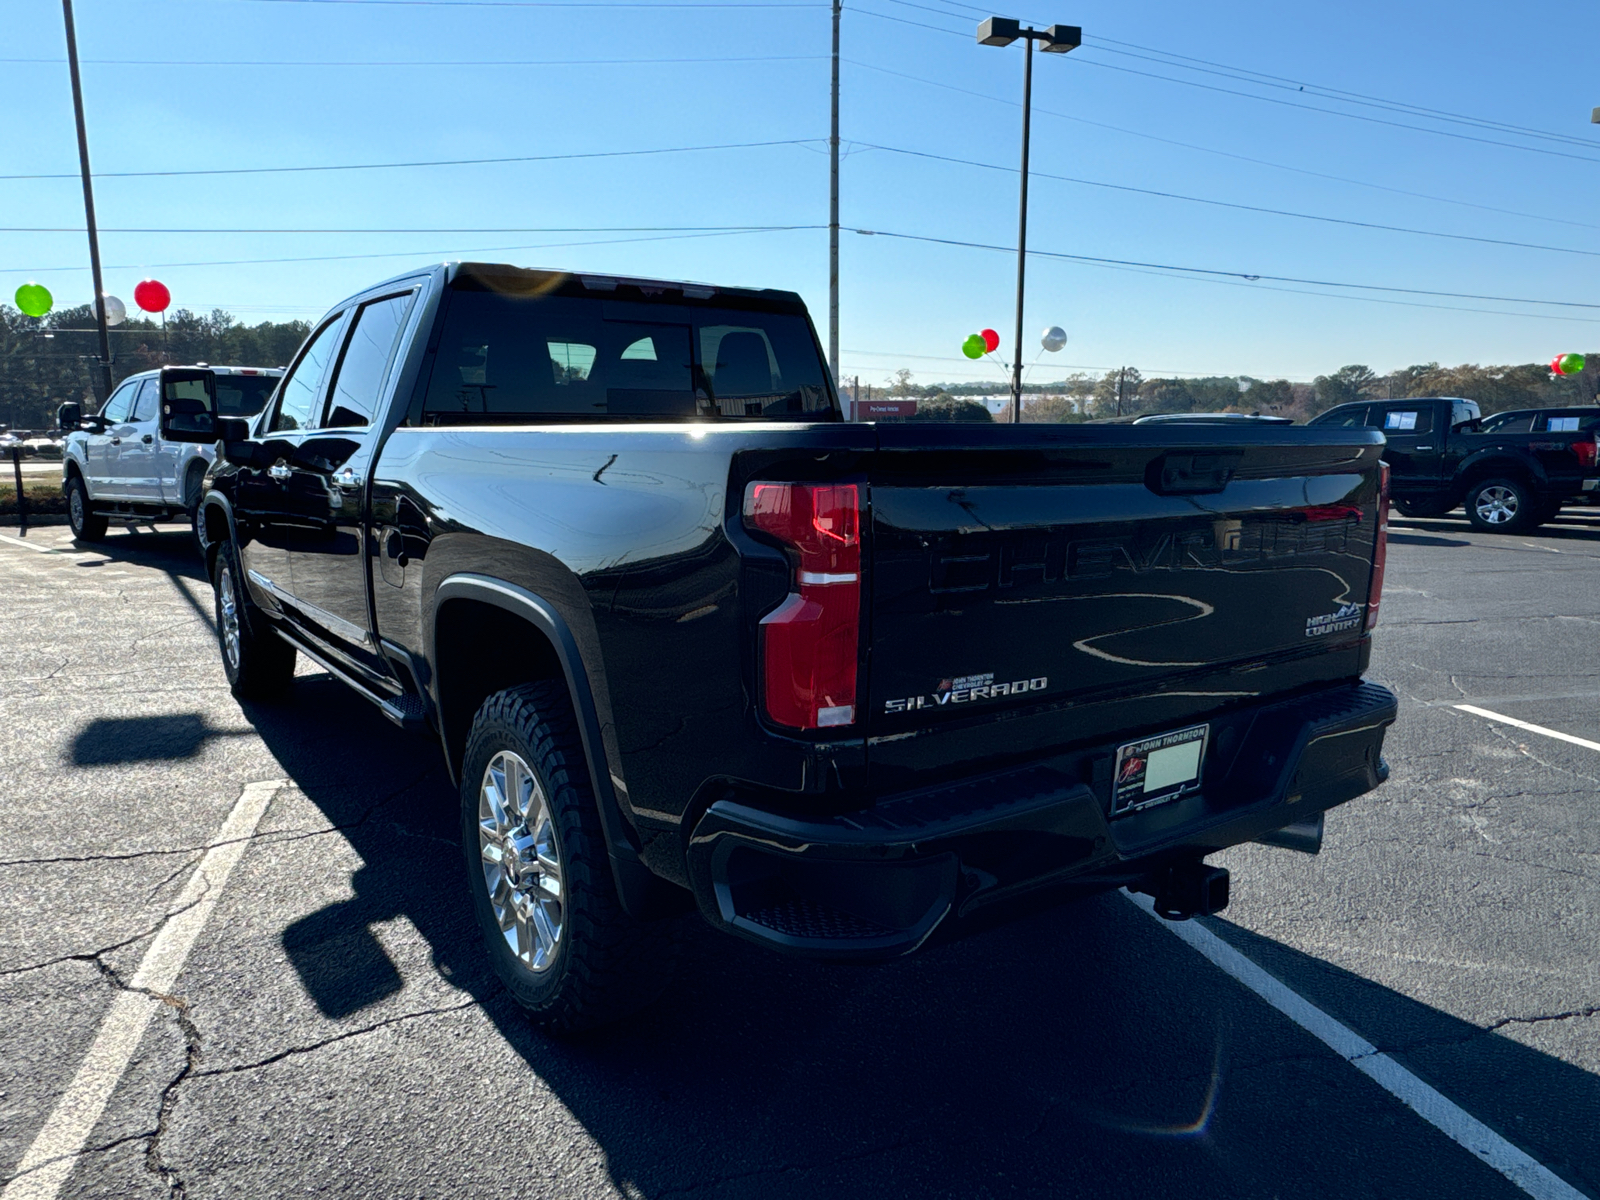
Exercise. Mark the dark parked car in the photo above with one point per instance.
(1441, 457)
(688, 639)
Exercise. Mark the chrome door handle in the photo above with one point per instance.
(1424, 447)
(347, 478)
(116, 441)
(280, 471)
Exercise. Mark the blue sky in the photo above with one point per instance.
(600, 78)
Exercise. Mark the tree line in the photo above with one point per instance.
(48, 360)
(1126, 392)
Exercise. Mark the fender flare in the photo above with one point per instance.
(214, 499)
(643, 894)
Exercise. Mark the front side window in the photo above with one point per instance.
(563, 357)
(353, 398)
(121, 402)
(298, 395)
(1344, 418)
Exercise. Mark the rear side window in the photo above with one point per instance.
(522, 357)
(244, 395)
(1561, 425)
(1402, 419)
(144, 405)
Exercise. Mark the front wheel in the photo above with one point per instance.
(541, 883)
(87, 525)
(257, 662)
(1500, 505)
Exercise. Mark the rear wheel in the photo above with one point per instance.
(1501, 505)
(87, 525)
(258, 663)
(541, 883)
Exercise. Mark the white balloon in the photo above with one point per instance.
(1053, 339)
(116, 310)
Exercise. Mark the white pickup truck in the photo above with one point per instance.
(115, 463)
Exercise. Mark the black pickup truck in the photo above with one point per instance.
(1508, 478)
(688, 639)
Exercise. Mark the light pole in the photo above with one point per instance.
(88, 201)
(1057, 39)
(833, 211)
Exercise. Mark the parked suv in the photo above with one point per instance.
(115, 463)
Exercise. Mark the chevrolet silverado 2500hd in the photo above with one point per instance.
(690, 640)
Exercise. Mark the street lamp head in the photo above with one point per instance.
(998, 31)
(1594, 117)
(1058, 39)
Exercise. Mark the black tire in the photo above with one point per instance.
(193, 489)
(259, 664)
(601, 965)
(1413, 509)
(87, 525)
(1501, 505)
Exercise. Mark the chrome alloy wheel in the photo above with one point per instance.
(228, 610)
(521, 860)
(1496, 505)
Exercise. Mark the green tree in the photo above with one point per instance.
(1350, 383)
(945, 407)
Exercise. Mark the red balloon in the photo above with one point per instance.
(991, 339)
(152, 296)
(1555, 366)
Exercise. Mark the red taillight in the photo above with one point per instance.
(809, 642)
(1585, 452)
(1380, 548)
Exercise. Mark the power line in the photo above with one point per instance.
(1333, 112)
(1248, 75)
(443, 162)
(1278, 212)
(452, 253)
(1260, 162)
(506, 229)
(420, 62)
(1226, 274)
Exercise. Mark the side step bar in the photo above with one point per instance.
(407, 711)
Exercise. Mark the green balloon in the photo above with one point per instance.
(34, 299)
(975, 346)
(1571, 364)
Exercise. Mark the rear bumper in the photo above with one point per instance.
(879, 882)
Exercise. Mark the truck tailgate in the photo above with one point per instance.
(1016, 571)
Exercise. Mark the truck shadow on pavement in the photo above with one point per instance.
(1078, 1051)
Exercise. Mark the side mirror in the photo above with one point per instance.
(188, 404)
(69, 416)
(234, 434)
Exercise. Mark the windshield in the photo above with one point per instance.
(243, 395)
(507, 357)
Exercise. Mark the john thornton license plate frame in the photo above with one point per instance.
(1158, 769)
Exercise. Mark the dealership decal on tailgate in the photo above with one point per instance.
(1158, 769)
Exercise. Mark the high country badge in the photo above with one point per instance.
(1345, 618)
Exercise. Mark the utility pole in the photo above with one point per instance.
(1122, 375)
(833, 210)
(88, 202)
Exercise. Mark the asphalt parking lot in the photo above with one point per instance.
(331, 1028)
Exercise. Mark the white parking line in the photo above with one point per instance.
(30, 545)
(54, 1152)
(1529, 726)
(1432, 1106)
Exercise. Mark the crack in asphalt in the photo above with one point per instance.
(342, 1036)
(94, 956)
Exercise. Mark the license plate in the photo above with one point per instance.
(1158, 769)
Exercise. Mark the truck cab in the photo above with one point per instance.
(116, 464)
